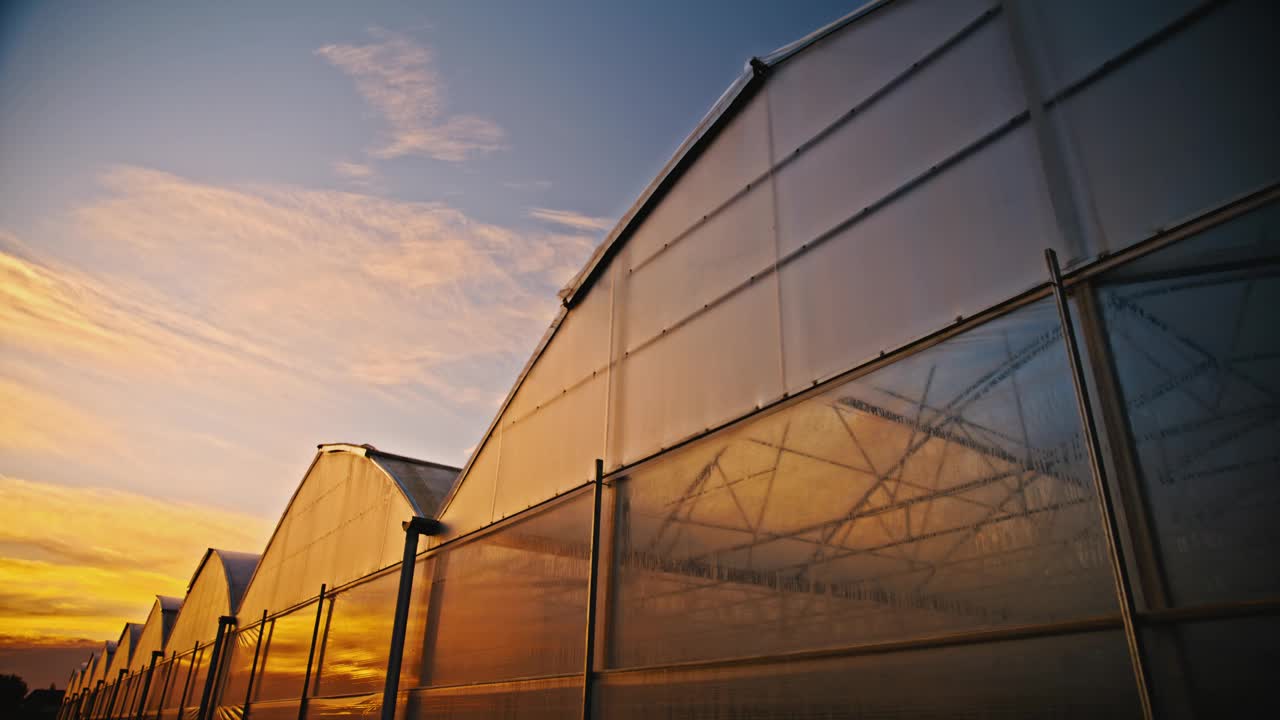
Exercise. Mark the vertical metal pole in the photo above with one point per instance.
(165, 683)
(1110, 527)
(97, 695)
(253, 669)
(146, 686)
(413, 528)
(186, 684)
(215, 664)
(311, 656)
(593, 577)
(115, 690)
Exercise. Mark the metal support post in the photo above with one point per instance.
(311, 655)
(165, 682)
(115, 690)
(186, 684)
(593, 576)
(253, 669)
(146, 686)
(413, 529)
(215, 660)
(96, 696)
(1110, 526)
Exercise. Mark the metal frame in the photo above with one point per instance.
(1111, 528)
(593, 575)
(311, 656)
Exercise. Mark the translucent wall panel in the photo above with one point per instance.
(159, 681)
(199, 672)
(155, 632)
(946, 492)
(471, 506)
(963, 241)
(717, 366)
(353, 656)
(738, 155)
(1076, 676)
(554, 448)
(241, 648)
(1196, 352)
(350, 707)
(512, 603)
(179, 686)
(1188, 125)
(969, 91)
(1070, 40)
(811, 90)
(699, 268)
(548, 699)
(283, 664)
(207, 600)
(343, 524)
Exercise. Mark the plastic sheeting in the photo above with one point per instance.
(208, 598)
(1077, 676)
(283, 663)
(343, 523)
(1170, 134)
(512, 603)
(865, 191)
(946, 492)
(155, 632)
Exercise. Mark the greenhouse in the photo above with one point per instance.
(936, 374)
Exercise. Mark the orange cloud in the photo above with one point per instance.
(80, 562)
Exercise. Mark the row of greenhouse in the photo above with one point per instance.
(937, 374)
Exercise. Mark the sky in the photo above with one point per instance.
(231, 231)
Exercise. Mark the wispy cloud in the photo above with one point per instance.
(570, 219)
(79, 562)
(398, 78)
(360, 173)
(219, 332)
(526, 185)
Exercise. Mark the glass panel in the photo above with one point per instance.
(1170, 135)
(512, 603)
(1196, 352)
(527, 700)
(947, 491)
(962, 242)
(1075, 676)
(354, 655)
(1224, 668)
(284, 660)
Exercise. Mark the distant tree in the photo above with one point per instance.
(12, 690)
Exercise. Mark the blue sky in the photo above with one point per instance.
(232, 230)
